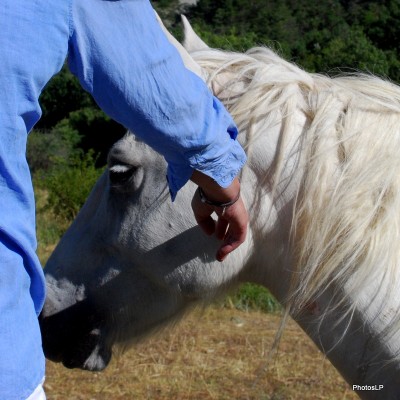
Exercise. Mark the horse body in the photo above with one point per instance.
(132, 260)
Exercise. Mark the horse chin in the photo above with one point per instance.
(89, 355)
(96, 360)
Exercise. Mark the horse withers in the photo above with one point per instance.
(322, 185)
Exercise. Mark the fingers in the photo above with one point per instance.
(230, 244)
(221, 227)
(231, 226)
(227, 248)
(202, 213)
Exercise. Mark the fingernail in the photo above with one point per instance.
(220, 258)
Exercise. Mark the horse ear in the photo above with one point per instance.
(190, 64)
(191, 41)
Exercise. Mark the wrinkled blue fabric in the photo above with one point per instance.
(120, 55)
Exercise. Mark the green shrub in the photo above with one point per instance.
(98, 131)
(60, 97)
(69, 184)
(254, 297)
(46, 148)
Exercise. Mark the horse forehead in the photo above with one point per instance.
(130, 150)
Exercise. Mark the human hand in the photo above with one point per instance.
(231, 225)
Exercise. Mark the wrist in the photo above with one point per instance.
(206, 200)
(214, 192)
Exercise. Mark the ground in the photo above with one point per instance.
(218, 353)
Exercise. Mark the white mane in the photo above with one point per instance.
(347, 212)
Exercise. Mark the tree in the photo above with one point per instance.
(320, 36)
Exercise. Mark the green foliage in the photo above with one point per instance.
(328, 36)
(100, 132)
(69, 110)
(62, 95)
(254, 297)
(46, 148)
(167, 10)
(231, 40)
(69, 184)
(353, 51)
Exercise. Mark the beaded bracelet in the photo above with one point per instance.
(219, 204)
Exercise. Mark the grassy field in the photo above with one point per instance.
(215, 354)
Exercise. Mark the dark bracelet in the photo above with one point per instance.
(219, 204)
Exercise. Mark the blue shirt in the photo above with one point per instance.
(120, 55)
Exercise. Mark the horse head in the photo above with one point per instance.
(131, 261)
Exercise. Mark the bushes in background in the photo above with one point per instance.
(69, 185)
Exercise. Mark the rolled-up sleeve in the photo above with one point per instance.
(122, 57)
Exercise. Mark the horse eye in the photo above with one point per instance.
(121, 173)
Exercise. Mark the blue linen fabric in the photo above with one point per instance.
(120, 55)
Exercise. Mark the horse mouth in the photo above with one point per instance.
(75, 339)
(87, 353)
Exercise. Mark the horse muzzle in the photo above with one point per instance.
(75, 337)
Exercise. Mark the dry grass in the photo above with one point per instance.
(212, 354)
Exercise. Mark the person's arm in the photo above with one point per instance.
(121, 56)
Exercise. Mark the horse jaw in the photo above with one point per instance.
(191, 41)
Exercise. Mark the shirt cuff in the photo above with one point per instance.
(223, 170)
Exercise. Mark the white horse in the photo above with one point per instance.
(322, 185)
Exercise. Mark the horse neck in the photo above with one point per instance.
(316, 144)
(297, 129)
(264, 95)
